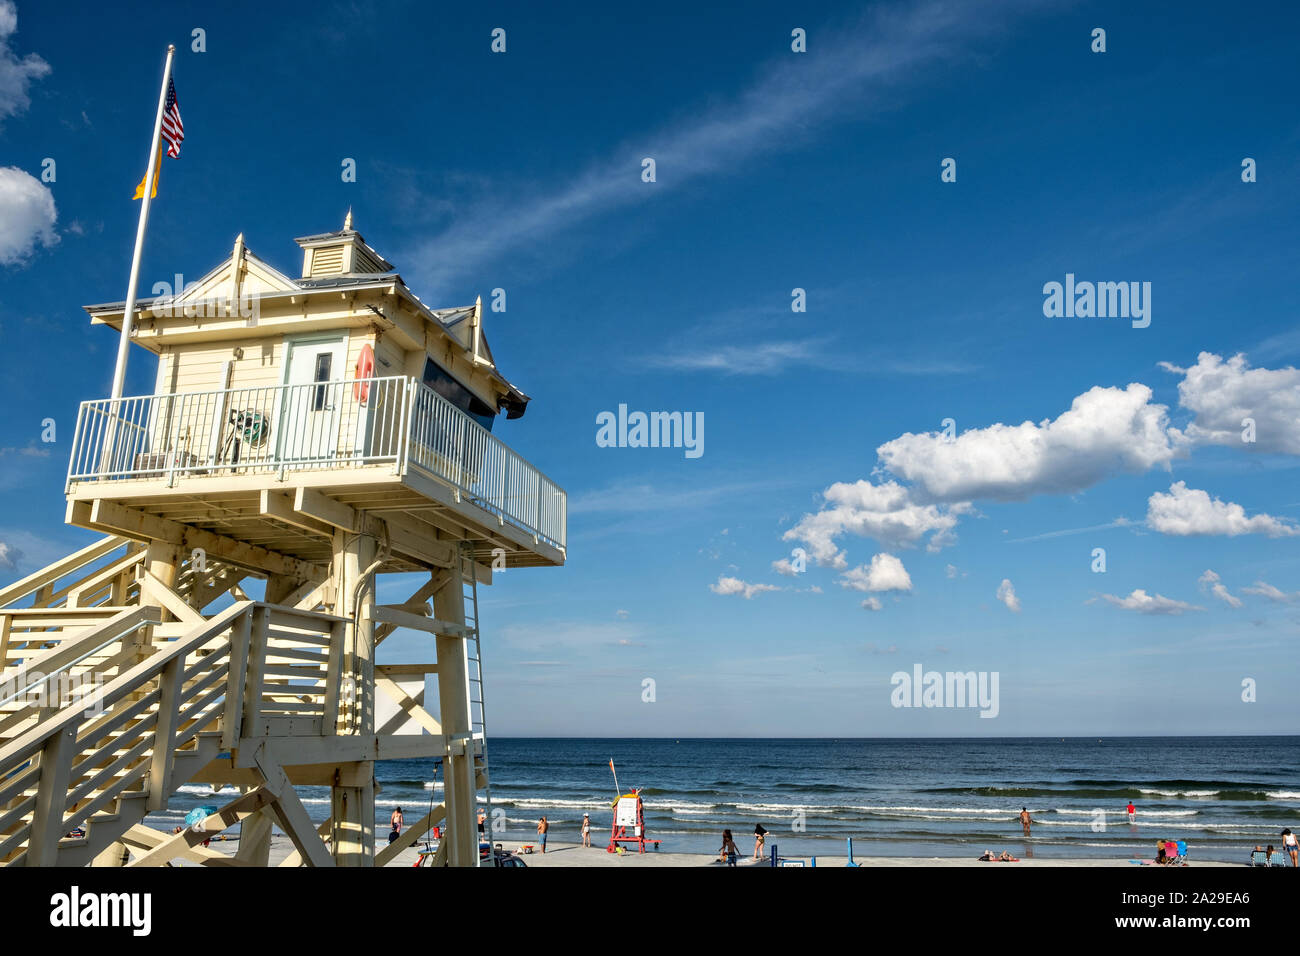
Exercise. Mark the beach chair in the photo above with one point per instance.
(1258, 858)
(1279, 859)
(1178, 855)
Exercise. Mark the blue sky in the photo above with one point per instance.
(774, 171)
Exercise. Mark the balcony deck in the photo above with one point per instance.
(284, 468)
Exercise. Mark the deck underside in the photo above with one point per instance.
(300, 515)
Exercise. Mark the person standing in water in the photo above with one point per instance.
(586, 830)
(1025, 819)
(1132, 812)
(760, 837)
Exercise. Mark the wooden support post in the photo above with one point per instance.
(461, 838)
(255, 839)
(160, 766)
(161, 560)
(51, 796)
(353, 801)
(255, 676)
(241, 632)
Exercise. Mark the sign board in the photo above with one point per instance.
(625, 813)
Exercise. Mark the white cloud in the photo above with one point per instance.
(783, 566)
(760, 358)
(1145, 603)
(727, 585)
(9, 557)
(1223, 393)
(1211, 582)
(622, 615)
(27, 215)
(1104, 432)
(885, 512)
(1188, 511)
(1263, 589)
(16, 73)
(886, 573)
(951, 571)
(872, 604)
(1007, 595)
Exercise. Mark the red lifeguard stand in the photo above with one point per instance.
(629, 814)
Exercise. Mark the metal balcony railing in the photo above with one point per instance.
(396, 422)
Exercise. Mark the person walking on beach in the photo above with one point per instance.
(1132, 812)
(729, 851)
(1025, 819)
(542, 827)
(396, 821)
(760, 837)
(586, 830)
(1290, 847)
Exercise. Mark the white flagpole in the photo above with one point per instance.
(128, 316)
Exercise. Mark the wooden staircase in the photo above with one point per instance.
(161, 702)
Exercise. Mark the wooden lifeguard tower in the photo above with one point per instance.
(312, 434)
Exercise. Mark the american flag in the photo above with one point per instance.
(173, 130)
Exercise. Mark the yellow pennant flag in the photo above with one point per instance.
(157, 171)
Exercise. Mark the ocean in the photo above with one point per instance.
(899, 797)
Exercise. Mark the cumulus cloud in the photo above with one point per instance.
(872, 604)
(1104, 432)
(727, 585)
(1265, 590)
(16, 73)
(27, 216)
(1188, 511)
(1007, 595)
(783, 566)
(9, 557)
(1213, 584)
(1222, 394)
(885, 573)
(1145, 603)
(885, 512)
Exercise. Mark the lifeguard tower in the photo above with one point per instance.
(305, 436)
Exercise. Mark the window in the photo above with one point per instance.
(323, 362)
(458, 394)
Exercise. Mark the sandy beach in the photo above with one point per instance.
(573, 854)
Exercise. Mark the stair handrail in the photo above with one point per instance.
(99, 637)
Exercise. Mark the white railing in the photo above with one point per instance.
(446, 442)
(275, 429)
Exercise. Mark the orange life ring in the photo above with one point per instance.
(365, 370)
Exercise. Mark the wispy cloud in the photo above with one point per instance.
(856, 72)
(1120, 522)
(779, 356)
(626, 497)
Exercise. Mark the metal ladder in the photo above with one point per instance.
(477, 712)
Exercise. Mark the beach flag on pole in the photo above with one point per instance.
(173, 131)
(615, 773)
(166, 126)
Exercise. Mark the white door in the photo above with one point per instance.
(310, 409)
